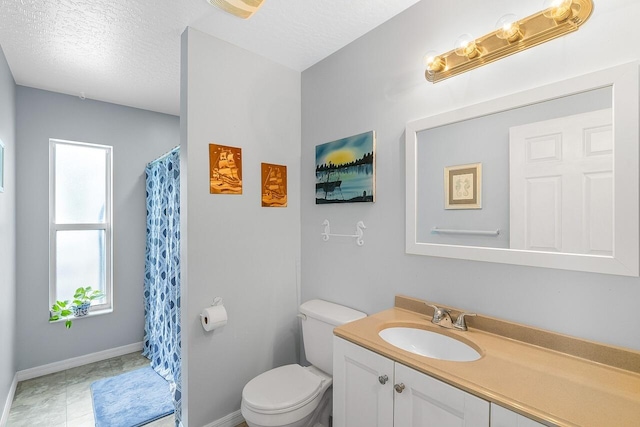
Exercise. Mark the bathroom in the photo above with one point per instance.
(273, 259)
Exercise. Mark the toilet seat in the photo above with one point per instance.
(282, 389)
(284, 396)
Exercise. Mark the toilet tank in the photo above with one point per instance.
(317, 330)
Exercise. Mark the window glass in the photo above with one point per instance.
(80, 181)
(80, 261)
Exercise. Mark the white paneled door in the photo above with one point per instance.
(561, 184)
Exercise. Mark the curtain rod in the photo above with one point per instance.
(165, 155)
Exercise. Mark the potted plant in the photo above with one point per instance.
(78, 307)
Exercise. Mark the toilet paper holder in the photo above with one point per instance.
(211, 320)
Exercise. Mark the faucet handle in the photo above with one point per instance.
(460, 322)
(438, 313)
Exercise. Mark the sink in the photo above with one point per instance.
(429, 344)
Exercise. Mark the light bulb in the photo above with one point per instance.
(508, 28)
(433, 62)
(465, 45)
(558, 10)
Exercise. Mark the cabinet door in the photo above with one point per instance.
(502, 417)
(426, 402)
(360, 399)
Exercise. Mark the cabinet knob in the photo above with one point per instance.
(383, 379)
(399, 387)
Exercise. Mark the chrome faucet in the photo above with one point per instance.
(461, 324)
(442, 317)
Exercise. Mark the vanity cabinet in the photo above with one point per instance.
(370, 390)
(362, 387)
(502, 417)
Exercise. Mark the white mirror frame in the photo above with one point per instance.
(625, 260)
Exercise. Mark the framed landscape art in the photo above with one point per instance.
(346, 170)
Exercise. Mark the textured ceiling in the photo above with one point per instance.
(128, 51)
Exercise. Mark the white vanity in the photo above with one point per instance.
(524, 377)
(371, 390)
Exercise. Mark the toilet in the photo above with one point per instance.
(294, 395)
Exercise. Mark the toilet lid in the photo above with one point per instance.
(281, 389)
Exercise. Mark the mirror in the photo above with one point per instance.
(547, 177)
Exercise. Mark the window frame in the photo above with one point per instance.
(107, 226)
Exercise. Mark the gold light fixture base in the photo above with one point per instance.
(241, 8)
(534, 30)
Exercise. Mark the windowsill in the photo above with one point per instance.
(92, 313)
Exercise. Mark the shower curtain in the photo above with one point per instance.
(162, 344)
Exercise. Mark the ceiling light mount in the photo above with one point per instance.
(558, 17)
(241, 8)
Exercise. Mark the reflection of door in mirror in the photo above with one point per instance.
(561, 184)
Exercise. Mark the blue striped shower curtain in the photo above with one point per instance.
(162, 343)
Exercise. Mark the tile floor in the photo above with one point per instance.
(63, 399)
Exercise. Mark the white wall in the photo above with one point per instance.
(138, 136)
(377, 83)
(7, 231)
(232, 247)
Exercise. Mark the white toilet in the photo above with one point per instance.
(296, 396)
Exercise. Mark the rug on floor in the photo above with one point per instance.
(131, 399)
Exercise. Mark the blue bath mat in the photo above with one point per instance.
(132, 399)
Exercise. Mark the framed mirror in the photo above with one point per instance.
(546, 177)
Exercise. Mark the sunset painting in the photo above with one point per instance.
(345, 170)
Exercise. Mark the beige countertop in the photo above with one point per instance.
(551, 378)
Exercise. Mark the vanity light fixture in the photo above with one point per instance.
(558, 17)
(433, 62)
(466, 46)
(508, 28)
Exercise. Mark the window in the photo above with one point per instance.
(80, 226)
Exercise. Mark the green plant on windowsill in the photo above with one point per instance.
(78, 307)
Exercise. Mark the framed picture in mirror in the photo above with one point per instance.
(463, 186)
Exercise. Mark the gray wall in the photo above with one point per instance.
(233, 247)
(7, 231)
(138, 136)
(377, 83)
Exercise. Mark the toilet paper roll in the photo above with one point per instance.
(213, 317)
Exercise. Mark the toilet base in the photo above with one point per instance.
(324, 411)
(319, 418)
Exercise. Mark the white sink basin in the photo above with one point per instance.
(429, 344)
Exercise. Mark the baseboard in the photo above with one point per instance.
(231, 420)
(7, 405)
(74, 362)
